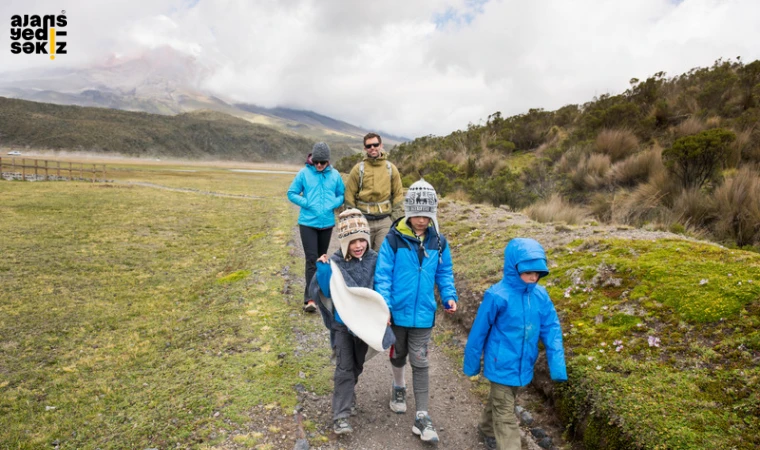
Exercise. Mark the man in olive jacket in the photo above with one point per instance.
(374, 188)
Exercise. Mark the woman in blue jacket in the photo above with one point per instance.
(515, 314)
(318, 189)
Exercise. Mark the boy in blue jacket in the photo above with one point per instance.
(515, 313)
(413, 259)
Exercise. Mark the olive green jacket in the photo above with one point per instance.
(380, 195)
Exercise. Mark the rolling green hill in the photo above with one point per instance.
(194, 135)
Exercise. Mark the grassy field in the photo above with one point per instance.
(135, 317)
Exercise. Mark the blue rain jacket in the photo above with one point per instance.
(512, 318)
(318, 194)
(406, 275)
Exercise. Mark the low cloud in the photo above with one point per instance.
(411, 67)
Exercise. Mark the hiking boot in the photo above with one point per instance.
(310, 307)
(341, 426)
(423, 427)
(489, 441)
(398, 400)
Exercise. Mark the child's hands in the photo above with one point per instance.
(322, 259)
(450, 306)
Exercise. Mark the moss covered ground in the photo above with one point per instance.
(662, 334)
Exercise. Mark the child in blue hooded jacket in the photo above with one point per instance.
(413, 260)
(514, 315)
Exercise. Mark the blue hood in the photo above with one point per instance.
(519, 250)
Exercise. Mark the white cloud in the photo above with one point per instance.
(411, 67)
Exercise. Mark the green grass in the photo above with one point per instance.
(130, 316)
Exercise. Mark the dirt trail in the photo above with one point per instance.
(454, 407)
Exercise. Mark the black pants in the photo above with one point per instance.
(315, 244)
(351, 352)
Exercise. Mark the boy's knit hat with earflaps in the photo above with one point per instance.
(352, 225)
(421, 201)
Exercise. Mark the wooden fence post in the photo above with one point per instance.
(23, 169)
(59, 169)
(47, 177)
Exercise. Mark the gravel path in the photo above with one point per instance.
(454, 407)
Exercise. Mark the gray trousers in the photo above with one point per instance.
(499, 419)
(413, 342)
(350, 352)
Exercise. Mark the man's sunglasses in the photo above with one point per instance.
(321, 163)
(375, 145)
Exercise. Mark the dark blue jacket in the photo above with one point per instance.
(318, 194)
(406, 275)
(356, 273)
(512, 318)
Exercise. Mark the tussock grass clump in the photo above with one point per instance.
(490, 162)
(694, 207)
(637, 168)
(555, 209)
(617, 144)
(648, 202)
(692, 125)
(738, 208)
(591, 172)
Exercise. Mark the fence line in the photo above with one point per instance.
(11, 170)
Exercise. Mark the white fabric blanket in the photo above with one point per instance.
(362, 310)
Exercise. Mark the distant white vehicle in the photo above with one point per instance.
(15, 153)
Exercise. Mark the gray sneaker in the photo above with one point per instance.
(341, 426)
(398, 400)
(423, 427)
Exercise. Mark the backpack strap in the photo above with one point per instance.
(361, 175)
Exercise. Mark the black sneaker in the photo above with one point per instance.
(310, 307)
(341, 426)
(489, 441)
(423, 427)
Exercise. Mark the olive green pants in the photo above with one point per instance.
(378, 229)
(499, 419)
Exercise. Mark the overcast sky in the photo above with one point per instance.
(408, 67)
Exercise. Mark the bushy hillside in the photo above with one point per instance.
(678, 153)
(195, 135)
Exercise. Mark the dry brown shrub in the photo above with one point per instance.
(637, 168)
(555, 209)
(570, 159)
(455, 157)
(648, 202)
(600, 207)
(618, 144)
(692, 125)
(459, 195)
(713, 122)
(490, 162)
(738, 208)
(693, 208)
(739, 147)
(591, 172)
